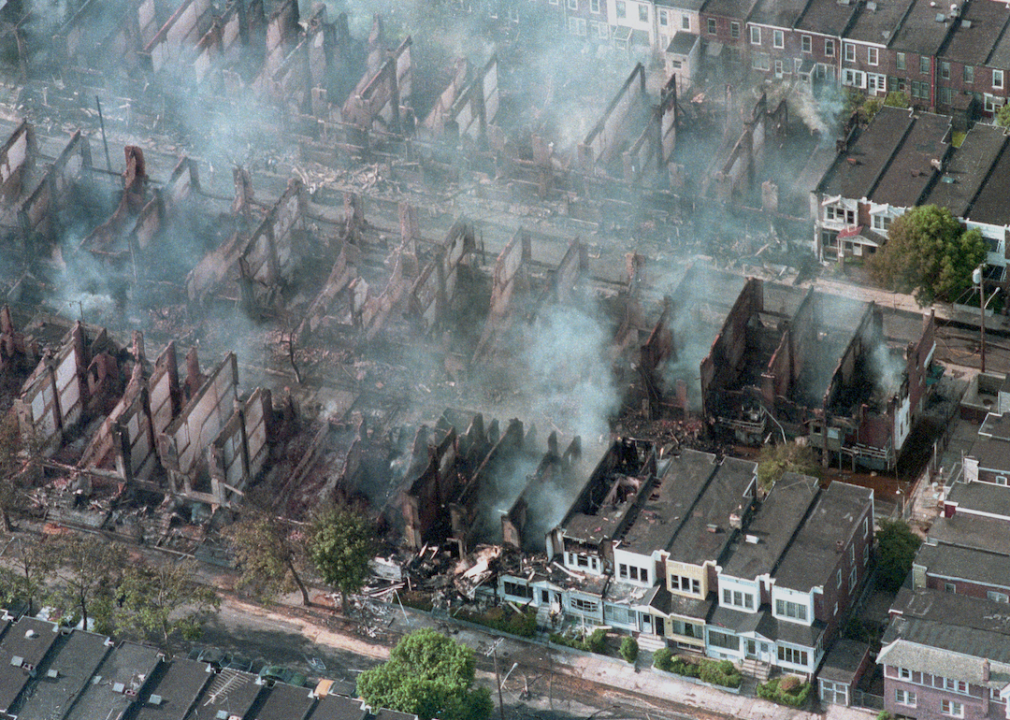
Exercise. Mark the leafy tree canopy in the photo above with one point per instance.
(776, 460)
(430, 675)
(341, 544)
(1003, 117)
(896, 548)
(930, 254)
(268, 556)
(158, 601)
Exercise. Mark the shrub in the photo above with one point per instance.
(714, 672)
(629, 649)
(505, 619)
(595, 643)
(795, 696)
(663, 659)
(884, 715)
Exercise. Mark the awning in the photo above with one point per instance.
(850, 232)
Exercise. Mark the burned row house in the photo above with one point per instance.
(785, 365)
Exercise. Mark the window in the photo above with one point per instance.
(586, 606)
(852, 549)
(621, 8)
(545, 597)
(969, 73)
(872, 55)
(997, 79)
(622, 571)
(760, 61)
(582, 561)
(594, 6)
(643, 12)
(829, 48)
(899, 60)
(617, 614)
(685, 584)
(839, 214)
(876, 82)
(904, 697)
(904, 673)
(1001, 480)
(839, 577)
(755, 35)
(685, 22)
(806, 44)
(852, 580)
(711, 26)
(789, 655)
(573, 5)
(517, 590)
(997, 596)
(664, 18)
(736, 598)
(784, 608)
(993, 103)
(734, 30)
(602, 30)
(866, 548)
(723, 640)
(778, 39)
(920, 90)
(950, 588)
(958, 686)
(951, 708)
(850, 52)
(945, 70)
(924, 64)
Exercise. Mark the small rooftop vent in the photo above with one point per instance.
(966, 23)
(954, 10)
(52, 673)
(839, 546)
(871, 6)
(940, 17)
(17, 660)
(221, 715)
(154, 699)
(712, 528)
(31, 634)
(752, 539)
(118, 687)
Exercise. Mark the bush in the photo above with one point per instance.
(505, 619)
(629, 649)
(595, 643)
(714, 672)
(884, 715)
(663, 659)
(785, 691)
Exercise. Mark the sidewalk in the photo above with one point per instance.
(599, 669)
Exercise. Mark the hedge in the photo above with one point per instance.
(714, 672)
(795, 697)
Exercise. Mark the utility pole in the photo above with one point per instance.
(493, 652)
(978, 278)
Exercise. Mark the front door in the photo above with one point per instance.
(660, 627)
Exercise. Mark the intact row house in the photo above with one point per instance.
(686, 552)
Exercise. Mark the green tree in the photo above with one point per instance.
(629, 649)
(1003, 117)
(430, 675)
(268, 555)
(88, 570)
(341, 543)
(158, 601)
(896, 548)
(776, 460)
(30, 572)
(930, 254)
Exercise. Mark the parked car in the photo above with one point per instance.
(214, 657)
(238, 662)
(276, 673)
